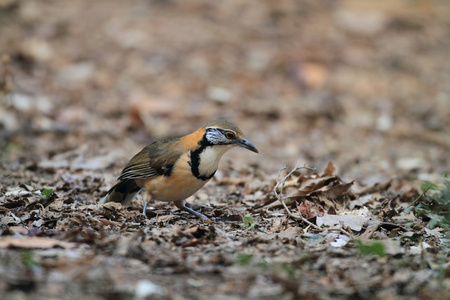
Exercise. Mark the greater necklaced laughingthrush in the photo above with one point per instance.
(173, 170)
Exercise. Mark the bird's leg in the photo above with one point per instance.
(181, 204)
(194, 206)
(145, 198)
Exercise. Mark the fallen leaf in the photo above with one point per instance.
(17, 191)
(166, 218)
(354, 222)
(340, 240)
(416, 250)
(390, 246)
(329, 170)
(33, 243)
(291, 233)
(369, 231)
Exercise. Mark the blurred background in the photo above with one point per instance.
(364, 84)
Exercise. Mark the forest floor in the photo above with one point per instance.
(357, 90)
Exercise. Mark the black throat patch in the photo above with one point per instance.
(195, 160)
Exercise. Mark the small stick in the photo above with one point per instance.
(418, 197)
(281, 199)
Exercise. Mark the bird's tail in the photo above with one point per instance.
(123, 192)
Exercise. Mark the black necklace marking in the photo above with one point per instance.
(195, 160)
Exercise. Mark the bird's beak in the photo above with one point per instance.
(247, 145)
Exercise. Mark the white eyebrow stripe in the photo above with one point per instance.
(220, 128)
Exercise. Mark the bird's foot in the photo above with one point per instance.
(144, 209)
(182, 206)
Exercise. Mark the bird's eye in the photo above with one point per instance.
(229, 135)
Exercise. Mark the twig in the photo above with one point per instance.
(279, 196)
(418, 197)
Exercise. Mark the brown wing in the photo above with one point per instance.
(154, 160)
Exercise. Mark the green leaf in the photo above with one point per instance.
(429, 186)
(45, 193)
(247, 221)
(28, 259)
(376, 248)
(433, 222)
(245, 259)
(289, 270)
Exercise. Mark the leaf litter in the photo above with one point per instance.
(361, 227)
(312, 215)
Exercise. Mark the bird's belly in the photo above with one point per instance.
(180, 185)
(173, 188)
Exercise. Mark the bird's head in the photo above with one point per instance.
(221, 132)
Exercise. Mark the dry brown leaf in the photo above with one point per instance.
(321, 199)
(369, 231)
(277, 204)
(291, 233)
(323, 191)
(311, 185)
(191, 230)
(166, 218)
(329, 170)
(277, 225)
(353, 221)
(33, 243)
(376, 188)
(337, 191)
(17, 230)
(305, 209)
(310, 210)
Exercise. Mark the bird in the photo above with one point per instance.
(172, 170)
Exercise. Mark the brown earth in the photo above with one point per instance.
(84, 85)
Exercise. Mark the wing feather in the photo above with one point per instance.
(154, 160)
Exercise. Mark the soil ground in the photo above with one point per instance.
(84, 85)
